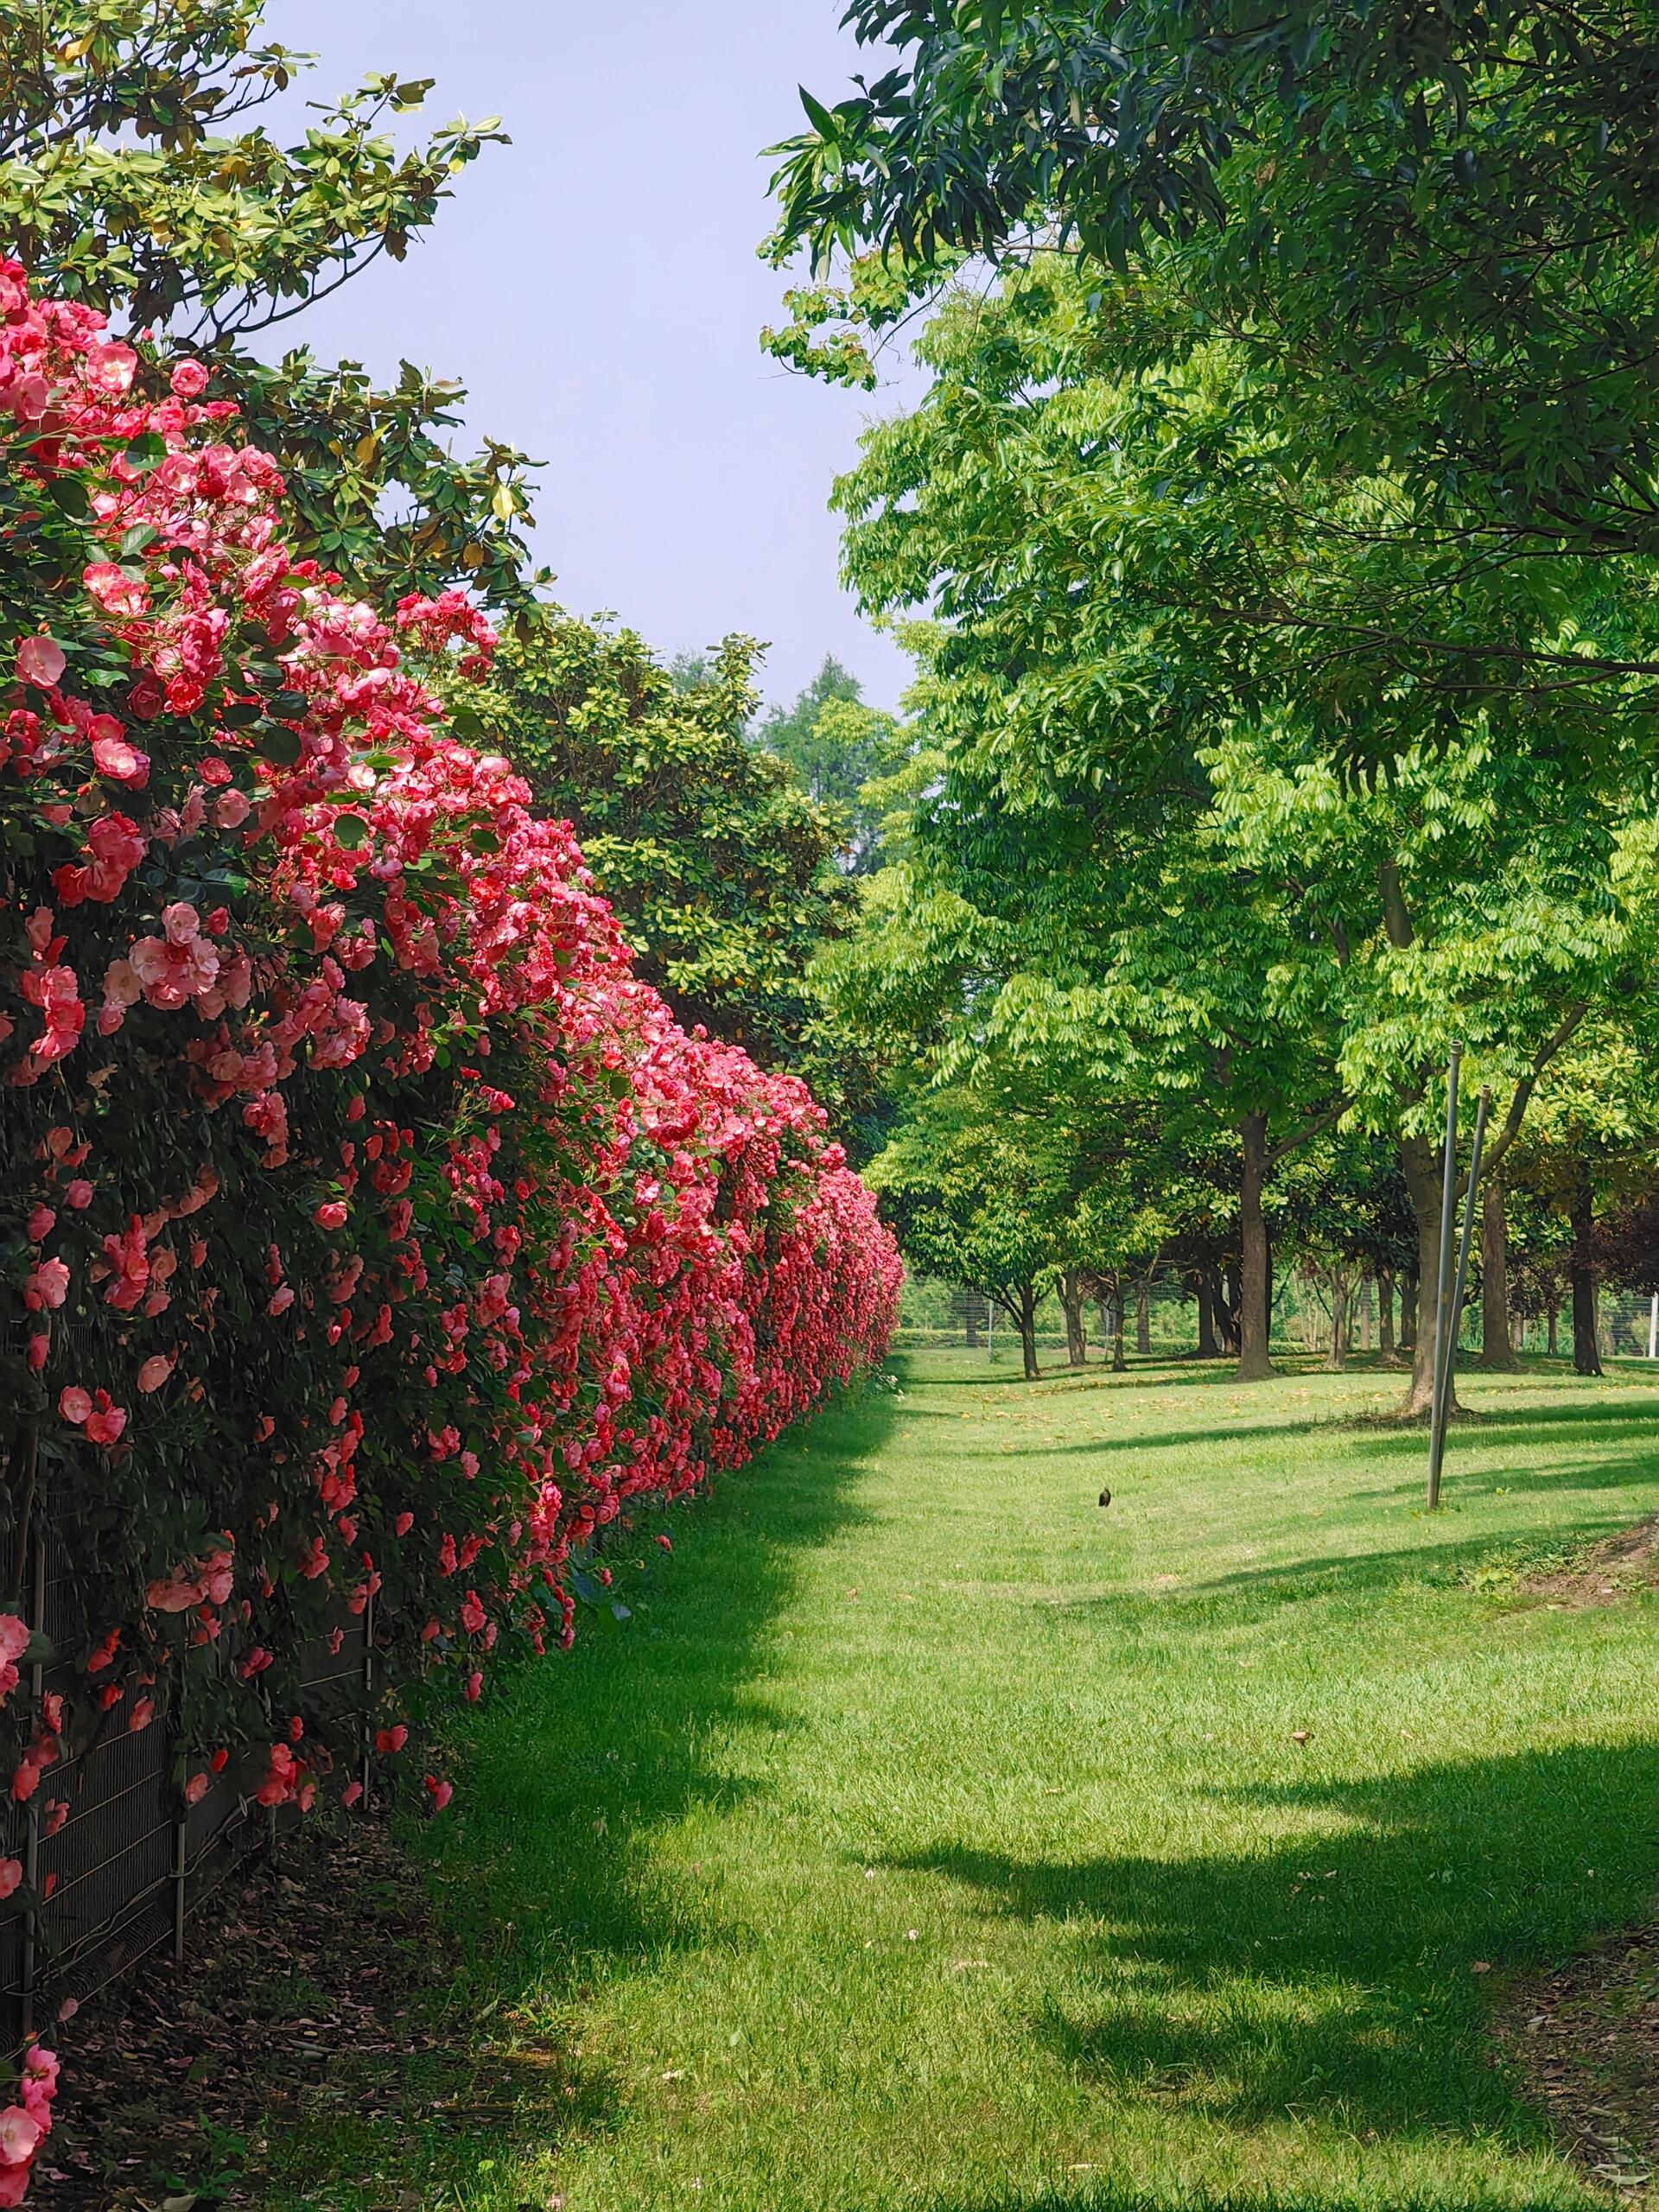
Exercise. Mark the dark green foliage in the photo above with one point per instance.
(721, 867)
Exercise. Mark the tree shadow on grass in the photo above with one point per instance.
(1110, 2197)
(1345, 1971)
(1616, 1419)
(538, 1873)
(542, 1878)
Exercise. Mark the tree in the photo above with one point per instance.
(1147, 846)
(838, 746)
(1590, 1151)
(718, 865)
(980, 1197)
(136, 174)
(1434, 232)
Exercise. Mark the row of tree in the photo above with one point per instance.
(1276, 541)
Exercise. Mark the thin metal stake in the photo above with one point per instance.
(1449, 1350)
(368, 1692)
(1443, 1288)
(32, 1855)
(179, 1881)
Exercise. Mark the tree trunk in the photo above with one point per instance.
(1206, 1318)
(1337, 1358)
(1227, 1310)
(1586, 1352)
(1071, 1299)
(1421, 1169)
(1495, 1350)
(1027, 1311)
(1254, 1364)
(1143, 1322)
(1408, 1287)
(1554, 1326)
(1385, 1315)
(1120, 1366)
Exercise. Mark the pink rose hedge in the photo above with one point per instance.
(369, 1229)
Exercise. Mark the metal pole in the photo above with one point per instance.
(1443, 1288)
(32, 1853)
(181, 1876)
(1449, 1356)
(1461, 1284)
(1653, 1329)
(368, 1695)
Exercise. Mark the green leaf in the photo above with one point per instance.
(819, 116)
(69, 496)
(284, 747)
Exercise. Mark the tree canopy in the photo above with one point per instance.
(137, 175)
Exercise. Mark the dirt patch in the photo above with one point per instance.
(1585, 2042)
(306, 1980)
(1601, 1574)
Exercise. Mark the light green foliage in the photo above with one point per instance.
(1197, 830)
(1150, 798)
(135, 173)
(844, 752)
(721, 867)
(981, 1195)
(942, 1841)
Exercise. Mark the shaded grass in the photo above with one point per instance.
(939, 1841)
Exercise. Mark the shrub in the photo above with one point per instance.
(368, 1226)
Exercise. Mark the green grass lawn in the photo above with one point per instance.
(938, 1839)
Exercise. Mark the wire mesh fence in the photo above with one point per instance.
(115, 1860)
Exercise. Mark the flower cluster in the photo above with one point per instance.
(26, 2125)
(370, 1235)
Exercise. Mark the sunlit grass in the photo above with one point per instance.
(938, 1840)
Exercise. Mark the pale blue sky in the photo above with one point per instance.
(595, 286)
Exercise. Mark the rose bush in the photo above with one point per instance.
(370, 1232)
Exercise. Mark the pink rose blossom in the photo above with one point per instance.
(47, 1286)
(20, 2136)
(40, 662)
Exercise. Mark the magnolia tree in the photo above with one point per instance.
(369, 1231)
